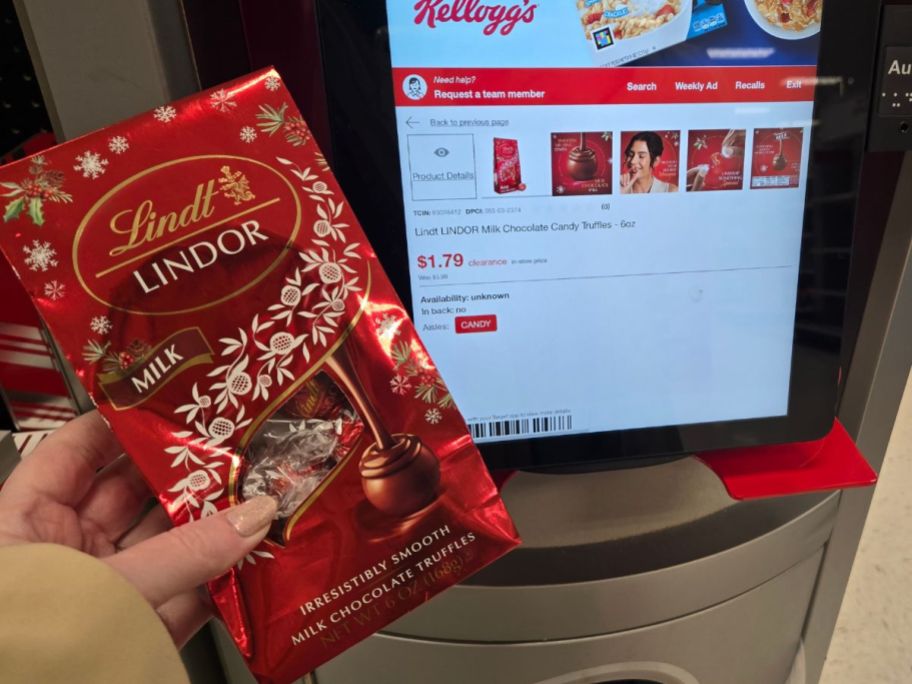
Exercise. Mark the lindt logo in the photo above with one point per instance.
(502, 18)
(186, 234)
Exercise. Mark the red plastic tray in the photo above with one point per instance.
(833, 462)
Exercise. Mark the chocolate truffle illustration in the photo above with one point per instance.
(779, 161)
(401, 478)
(581, 162)
(399, 474)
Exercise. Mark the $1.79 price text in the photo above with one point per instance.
(445, 260)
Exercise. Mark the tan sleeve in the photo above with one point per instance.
(67, 617)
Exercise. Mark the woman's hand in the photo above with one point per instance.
(696, 178)
(79, 490)
(628, 179)
(734, 142)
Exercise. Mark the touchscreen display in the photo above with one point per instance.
(604, 205)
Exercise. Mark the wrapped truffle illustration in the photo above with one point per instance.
(219, 300)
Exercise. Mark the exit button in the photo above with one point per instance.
(475, 324)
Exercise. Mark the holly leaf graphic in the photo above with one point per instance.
(401, 353)
(36, 211)
(95, 351)
(14, 209)
(427, 393)
(14, 189)
(271, 119)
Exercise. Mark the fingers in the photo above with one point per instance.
(63, 466)
(115, 499)
(190, 555)
(155, 522)
(184, 615)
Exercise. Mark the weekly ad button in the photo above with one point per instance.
(475, 324)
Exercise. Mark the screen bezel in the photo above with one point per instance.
(357, 71)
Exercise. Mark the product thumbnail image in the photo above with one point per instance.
(650, 162)
(581, 163)
(507, 171)
(715, 160)
(777, 157)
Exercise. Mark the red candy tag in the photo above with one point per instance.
(203, 273)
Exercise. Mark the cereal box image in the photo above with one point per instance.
(620, 31)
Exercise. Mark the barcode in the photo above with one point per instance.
(520, 426)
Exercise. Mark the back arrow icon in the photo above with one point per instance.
(410, 122)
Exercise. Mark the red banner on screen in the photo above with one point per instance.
(418, 87)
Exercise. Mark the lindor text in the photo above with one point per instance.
(198, 256)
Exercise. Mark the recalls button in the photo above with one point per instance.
(475, 324)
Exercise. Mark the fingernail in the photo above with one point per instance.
(252, 516)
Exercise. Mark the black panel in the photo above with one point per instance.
(891, 115)
(22, 110)
(217, 40)
(359, 95)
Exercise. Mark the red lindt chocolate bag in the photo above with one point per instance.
(507, 171)
(205, 276)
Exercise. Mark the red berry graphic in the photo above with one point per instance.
(297, 128)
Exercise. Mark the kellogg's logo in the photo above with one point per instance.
(502, 18)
